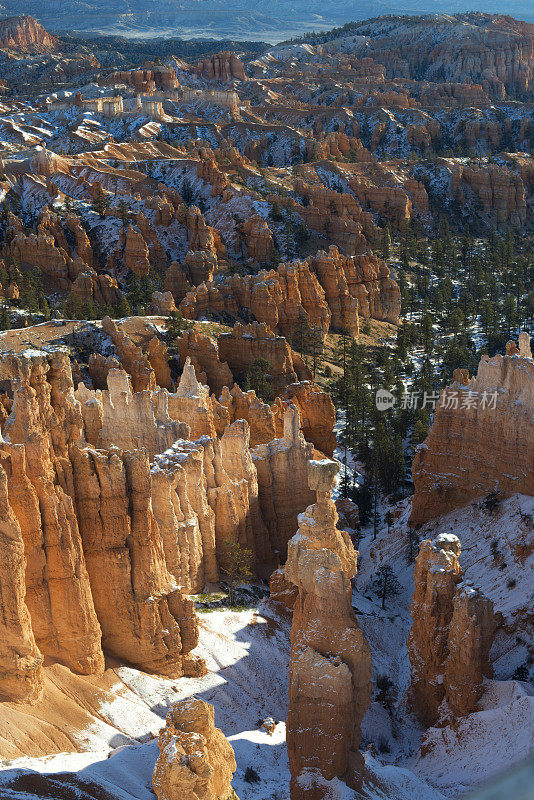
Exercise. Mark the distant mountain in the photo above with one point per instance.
(268, 20)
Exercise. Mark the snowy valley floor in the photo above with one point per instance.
(114, 720)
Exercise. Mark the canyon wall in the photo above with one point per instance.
(132, 495)
(24, 34)
(282, 466)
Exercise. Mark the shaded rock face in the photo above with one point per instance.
(281, 590)
(100, 289)
(20, 660)
(317, 414)
(78, 527)
(195, 759)
(473, 626)
(204, 354)
(501, 192)
(458, 461)
(338, 216)
(316, 410)
(436, 575)
(258, 239)
(150, 418)
(330, 667)
(253, 496)
(136, 254)
(492, 50)
(451, 635)
(360, 282)
(162, 303)
(236, 404)
(149, 623)
(105, 494)
(136, 363)
(141, 79)
(206, 492)
(278, 298)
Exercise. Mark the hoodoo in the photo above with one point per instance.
(330, 667)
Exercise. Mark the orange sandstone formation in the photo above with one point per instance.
(278, 298)
(247, 343)
(258, 239)
(281, 590)
(246, 405)
(131, 357)
(128, 420)
(451, 635)
(317, 414)
(472, 628)
(195, 759)
(436, 575)
(26, 35)
(44, 423)
(222, 67)
(204, 354)
(282, 466)
(330, 667)
(458, 461)
(20, 660)
(149, 621)
(329, 289)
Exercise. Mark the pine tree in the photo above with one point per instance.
(101, 203)
(386, 584)
(386, 241)
(259, 379)
(237, 562)
(307, 339)
(5, 322)
(122, 308)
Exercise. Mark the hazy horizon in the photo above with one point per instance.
(270, 21)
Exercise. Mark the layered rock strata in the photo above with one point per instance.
(149, 622)
(79, 528)
(471, 632)
(436, 575)
(45, 421)
(248, 343)
(20, 660)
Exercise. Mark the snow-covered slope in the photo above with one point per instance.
(247, 653)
